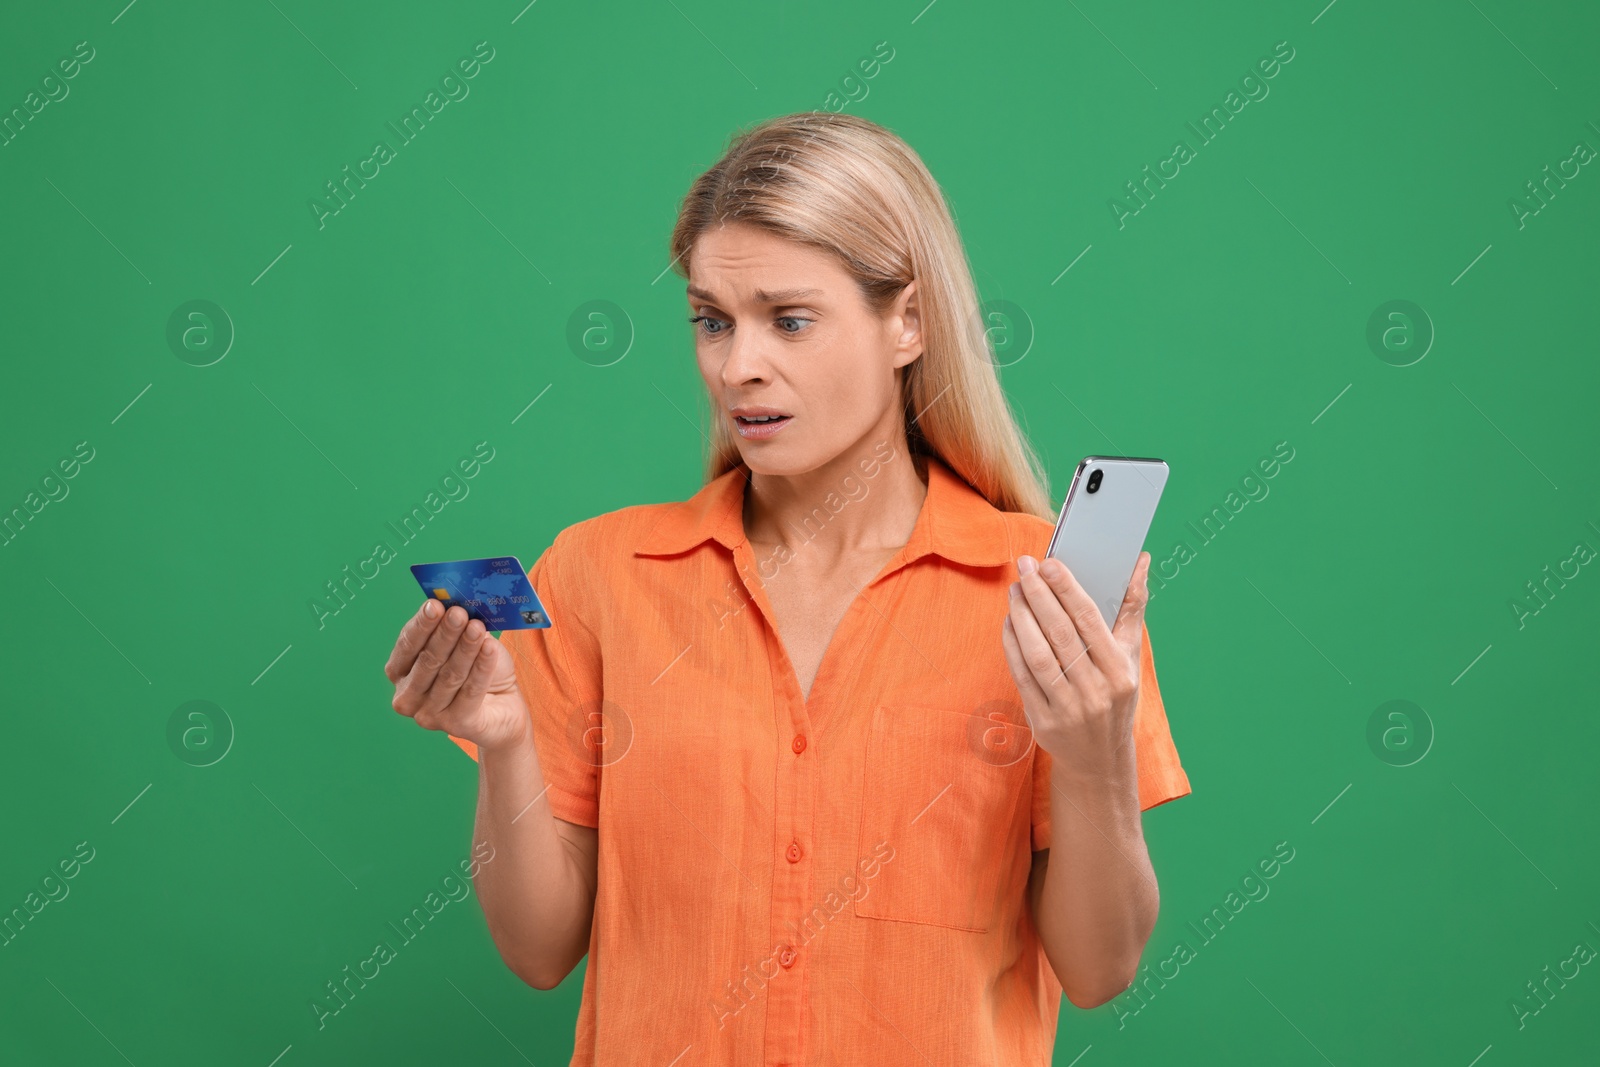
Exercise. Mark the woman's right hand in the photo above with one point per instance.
(450, 675)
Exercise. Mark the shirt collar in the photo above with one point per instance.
(956, 521)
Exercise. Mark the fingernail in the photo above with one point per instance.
(1026, 565)
(431, 609)
(1016, 589)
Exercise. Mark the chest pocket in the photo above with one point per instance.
(940, 789)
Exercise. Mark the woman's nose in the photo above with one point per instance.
(745, 361)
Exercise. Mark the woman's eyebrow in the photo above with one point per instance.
(762, 296)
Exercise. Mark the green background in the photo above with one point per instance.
(371, 354)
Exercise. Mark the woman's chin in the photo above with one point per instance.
(774, 461)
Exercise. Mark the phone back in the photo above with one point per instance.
(1099, 535)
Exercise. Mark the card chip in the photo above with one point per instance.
(442, 594)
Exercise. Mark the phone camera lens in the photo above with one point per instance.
(1094, 481)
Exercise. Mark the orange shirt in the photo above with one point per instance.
(792, 881)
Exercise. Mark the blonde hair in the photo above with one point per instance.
(854, 189)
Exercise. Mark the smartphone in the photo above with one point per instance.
(1103, 522)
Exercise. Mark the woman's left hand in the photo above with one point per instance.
(1079, 680)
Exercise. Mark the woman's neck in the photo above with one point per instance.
(864, 500)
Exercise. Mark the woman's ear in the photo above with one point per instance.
(908, 345)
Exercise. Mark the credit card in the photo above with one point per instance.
(495, 591)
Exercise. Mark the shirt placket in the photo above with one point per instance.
(795, 788)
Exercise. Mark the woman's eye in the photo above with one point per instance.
(720, 329)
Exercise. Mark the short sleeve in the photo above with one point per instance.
(559, 672)
(1161, 775)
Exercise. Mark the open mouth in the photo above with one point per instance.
(759, 427)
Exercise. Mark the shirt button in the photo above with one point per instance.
(794, 852)
(786, 957)
(799, 743)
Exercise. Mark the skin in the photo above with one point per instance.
(1079, 683)
(826, 360)
(538, 892)
(835, 366)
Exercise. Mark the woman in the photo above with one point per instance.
(789, 763)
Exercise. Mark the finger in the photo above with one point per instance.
(434, 654)
(1052, 673)
(1129, 626)
(412, 636)
(1084, 612)
(1027, 684)
(448, 681)
(485, 659)
(1054, 617)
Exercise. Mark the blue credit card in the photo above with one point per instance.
(495, 591)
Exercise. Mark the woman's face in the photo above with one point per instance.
(786, 332)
